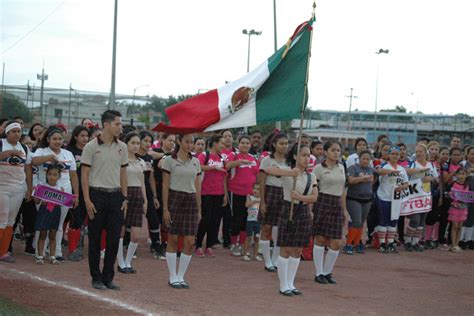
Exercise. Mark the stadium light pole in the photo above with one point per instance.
(114, 54)
(380, 51)
(250, 33)
(277, 123)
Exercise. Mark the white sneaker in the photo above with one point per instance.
(39, 260)
(236, 252)
(53, 260)
(258, 258)
(246, 258)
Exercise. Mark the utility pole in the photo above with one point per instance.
(44, 108)
(27, 93)
(3, 92)
(351, 96)
(69, 111)
(33, 96)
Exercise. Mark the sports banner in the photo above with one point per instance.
(415, 199)
(49, 194)
(463, 196)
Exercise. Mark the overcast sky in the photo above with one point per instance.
(181, 46)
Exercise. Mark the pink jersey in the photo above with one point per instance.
(226, 152)
(244, 176)
(213, 181)
(449, 168)
(312, 163)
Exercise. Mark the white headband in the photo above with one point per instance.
(12, 126)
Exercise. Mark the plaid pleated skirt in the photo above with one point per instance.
(184, 213)
(134, 216)
(273, 203)
(296, 233)
(328, 216)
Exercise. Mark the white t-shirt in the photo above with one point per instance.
(65, 158)
(432, 172)
(268, 162)
(252, 211)
(12, 169)
(388, 182)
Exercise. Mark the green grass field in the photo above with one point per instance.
(10, 308)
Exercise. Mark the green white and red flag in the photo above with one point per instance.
(274, 91)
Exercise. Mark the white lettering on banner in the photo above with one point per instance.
(412, 200)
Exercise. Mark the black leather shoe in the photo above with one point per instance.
(98, 285)
(175, 285)
(287, 293)
(271, 269)
(184, 285)
(330, 279)
(112, 286)
(123, 270)
(320, 279)
(132, 270)
(296, 292)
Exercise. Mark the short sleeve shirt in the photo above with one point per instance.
(252, 211)
(65, 159)
(12, 169)
(135, 175)
(213, 180)
(301, 183)
(361, 190)
(243, 177)
(330, 180)
(268, 162)
(389, 182)
(105, 162)
(182, 173)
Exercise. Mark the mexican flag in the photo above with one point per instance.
(273, 91)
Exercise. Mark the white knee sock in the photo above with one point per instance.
(120, 261)
(293, 264)
(130, 252)
(330, 261)
(283, 273)
(265, 244)
(171, 261)
(318, 259)
(183, 266)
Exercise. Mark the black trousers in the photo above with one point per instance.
(239, 214)
(78, 214)
(28, 217)
(372, 217)
(109, 216)
(212, 211)
(153, 220)
(443, 221)
(227, 221)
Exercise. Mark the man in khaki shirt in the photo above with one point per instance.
(104, 185)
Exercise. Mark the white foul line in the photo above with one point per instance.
(85, 293)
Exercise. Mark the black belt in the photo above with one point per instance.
(106, 190)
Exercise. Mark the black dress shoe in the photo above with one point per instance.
(287, 293)
(271, 269)
(132, 270)
(112, 286)
(320, 279)
(98, 285)
(123, 270)
(296, 292)
(175, 285)
(330, 279)
(184, 285)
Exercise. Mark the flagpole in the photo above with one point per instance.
(303, 105)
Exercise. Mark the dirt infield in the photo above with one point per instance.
(430, 283)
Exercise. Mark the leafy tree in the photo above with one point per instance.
(12, 106)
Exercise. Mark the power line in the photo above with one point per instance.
(33, 29)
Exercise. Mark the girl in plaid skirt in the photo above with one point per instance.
(271, 198)
(294, 229)
(137, 202)
(181, 206)
(329, 212)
